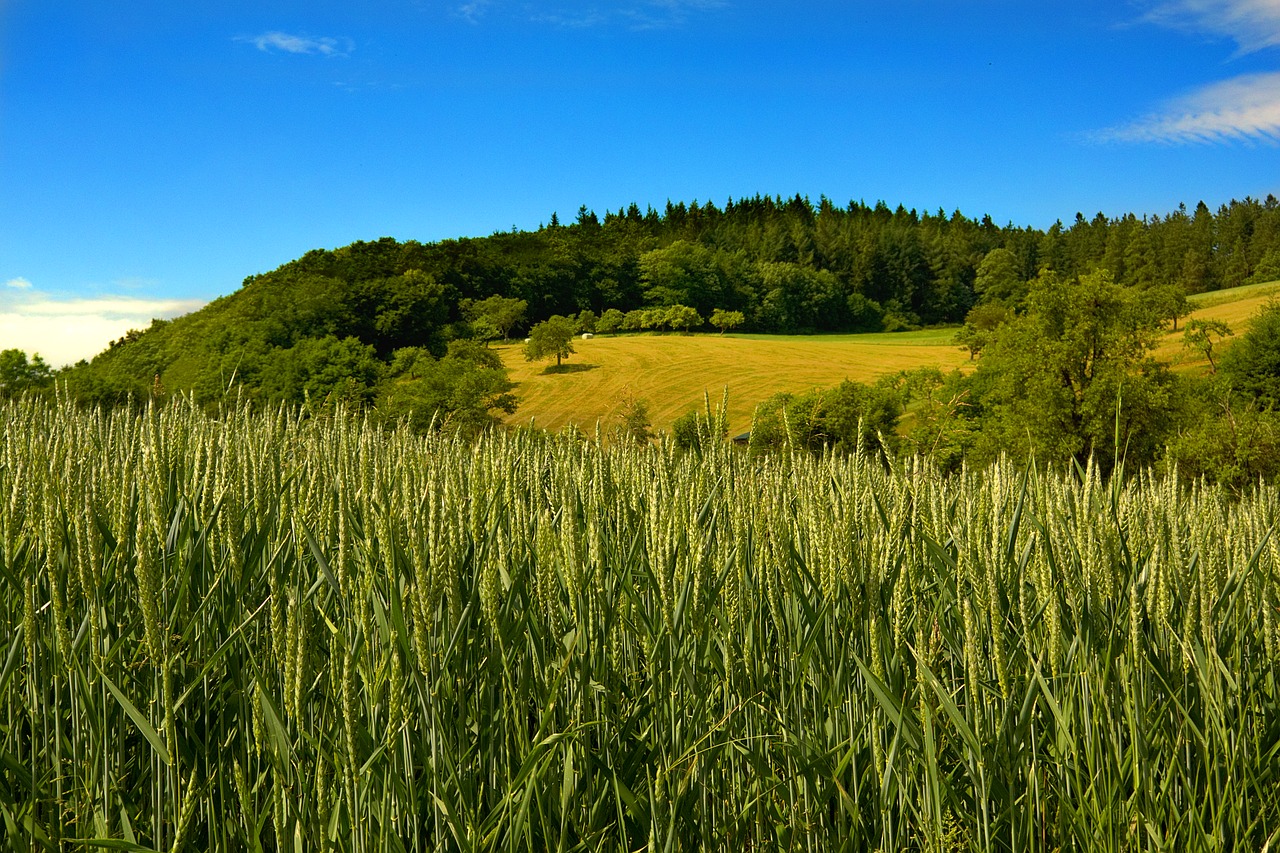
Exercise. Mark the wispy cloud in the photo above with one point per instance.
(65, 330)
(657, 14)
(473, 10)
(1244, 108)
(571, 20)
(1252, 24)
(278, 42)
(576, 14)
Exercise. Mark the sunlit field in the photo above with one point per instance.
(1235, 307)
(671, 372)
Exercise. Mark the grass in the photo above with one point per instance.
(671, 372)
(1235, 306)
(1248, 293)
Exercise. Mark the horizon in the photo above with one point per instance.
(155, 157)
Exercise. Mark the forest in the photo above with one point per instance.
(1059, 322)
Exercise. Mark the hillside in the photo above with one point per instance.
(331, 321)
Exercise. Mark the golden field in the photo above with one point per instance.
(671, 372)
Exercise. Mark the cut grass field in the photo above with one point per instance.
(670, 372)
(1234, 306)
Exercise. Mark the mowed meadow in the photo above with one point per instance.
(1235, 307)
(264, 632)
(671, 372)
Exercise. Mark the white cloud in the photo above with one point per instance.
(571, 21)
(278, 42)
(581, 14)
(65, 330)
(1245, 108)
(682, 6)
(473, 10)
(18, 283)
(1252, 24)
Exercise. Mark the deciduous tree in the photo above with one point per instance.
(726, 320)
(18, 374)
(553, 337)
(1252, 363)
(1203, 335)
(683, 318)
(610, 321)
(1074, 373)
(998, 279)
(464, 391)
(499, 313)
(981, 321)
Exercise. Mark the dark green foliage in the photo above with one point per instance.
(465, 391)
(686, 431)
(865, 315)
(279, 338)
(494, 317)
(944, 421)
(1268, 268)
(1165, 303)
(1225, 437)
(998, 279)
(786, 265)
(1073, 375)
(687, 273)
(18, 374)
(846, 418)
(1059, 320)
(1252, 363)
(323, 372)
(795, 298)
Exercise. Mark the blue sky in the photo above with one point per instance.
(154, 154)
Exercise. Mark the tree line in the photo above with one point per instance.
(791, 266)
(396, 327)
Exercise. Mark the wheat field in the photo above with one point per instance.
(262, 632)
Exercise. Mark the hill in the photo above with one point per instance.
(350, 322)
